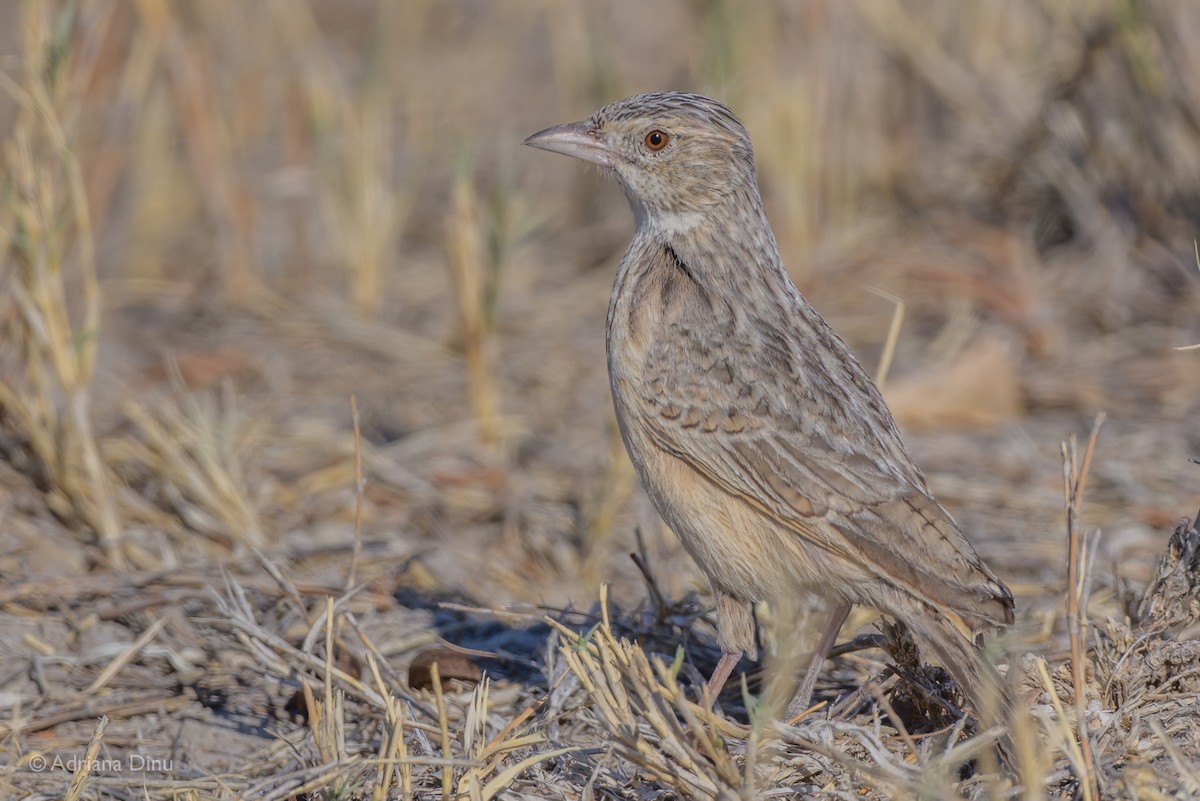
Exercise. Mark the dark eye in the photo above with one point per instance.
(657, 140)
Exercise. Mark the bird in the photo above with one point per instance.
(759, 437)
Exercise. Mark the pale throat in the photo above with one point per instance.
(677, 223)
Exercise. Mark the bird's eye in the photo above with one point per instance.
(657, 140)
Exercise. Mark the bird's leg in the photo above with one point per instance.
(735, 636)
(803, 695)
(719, 676)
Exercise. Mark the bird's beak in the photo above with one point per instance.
(583, 140)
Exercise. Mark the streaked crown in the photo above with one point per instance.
(676, 155)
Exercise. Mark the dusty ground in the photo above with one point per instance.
(230, 230)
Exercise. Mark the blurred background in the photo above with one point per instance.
(223, 220)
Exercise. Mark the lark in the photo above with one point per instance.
(759, 437)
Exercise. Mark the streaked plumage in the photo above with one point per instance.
(762, 441)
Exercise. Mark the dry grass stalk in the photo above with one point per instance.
(893, 336)
(701, 754)
(370, 214)
(646, 712)
(277, 654)
(1189, 769)
(125, 657)
(206, 128)
(49, 239)
(1196, 249)
(486, 755)
(484, 773)
(355, 142)
(194, 449)
(1066, 738)
(464, 249)
(333, 742)
(80, 779)
(352, 574)
(1031, 754)
(1078, 562)
(393, 750)
(444, 728)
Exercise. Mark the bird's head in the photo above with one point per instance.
(676, 155)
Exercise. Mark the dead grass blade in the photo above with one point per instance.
(79, 780)
(1068, 738)
(1079, 551)
(1189, 772)
(1196, 252)
(648, 716)
(126, 656)
(352, 575)
(893, 335)
(444, 728)
(196, 448)
(465, 251)
(48, 397)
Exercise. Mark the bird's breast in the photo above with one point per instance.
(653, 298)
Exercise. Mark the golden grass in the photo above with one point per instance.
(46, 234)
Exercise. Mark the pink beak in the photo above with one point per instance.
(579, 139)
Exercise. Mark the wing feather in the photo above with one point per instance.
(797, 429)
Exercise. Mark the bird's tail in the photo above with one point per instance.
(975, 675)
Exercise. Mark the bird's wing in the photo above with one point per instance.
(789, 422)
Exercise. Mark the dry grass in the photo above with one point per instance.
(301, 381)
